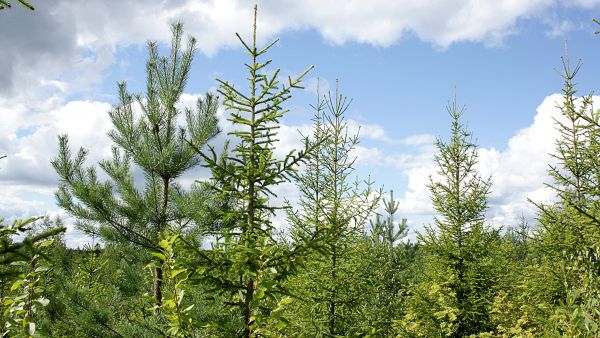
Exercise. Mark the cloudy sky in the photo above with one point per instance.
(400, 61)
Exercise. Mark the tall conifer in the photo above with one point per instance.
(119, 209)
(568, 234)
(334, 208)
(457, 288)
(247, 263)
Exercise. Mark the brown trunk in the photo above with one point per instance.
(247, 309)
(158, 272)
(157, 287)
(332, 301)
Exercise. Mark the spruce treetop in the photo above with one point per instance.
(251, 170)
(461, 195)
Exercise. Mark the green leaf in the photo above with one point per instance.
(260, 294)
(16, 285)
(46, 243)
(174, 273)
(159, 256)
(163, 244)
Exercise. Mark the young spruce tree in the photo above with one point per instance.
(332, 283)
(119, 210)
(247, 264)
(566, 284)
(457, 288)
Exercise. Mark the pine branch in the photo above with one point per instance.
(5, 4)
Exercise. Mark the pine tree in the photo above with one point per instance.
(458, 283)
(333, 208)
(247, 264)
(391, 260)
(118, 210)
(99, 292)
(385, 233)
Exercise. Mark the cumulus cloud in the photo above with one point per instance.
(518, 172)
(27, 180)
(42, 46)
(420, 139)
(378, 22)
(65, 46)
(32, 40)
(583, 3)
(28, 162)
(561, 29)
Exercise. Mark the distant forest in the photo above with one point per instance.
(206, 260)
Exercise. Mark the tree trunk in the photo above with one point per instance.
(332, 301)
(157, 287)
(247, 309)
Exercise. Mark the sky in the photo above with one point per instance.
(399, 61)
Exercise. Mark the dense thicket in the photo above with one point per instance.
(208, 260)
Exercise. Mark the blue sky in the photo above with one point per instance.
(399, 61)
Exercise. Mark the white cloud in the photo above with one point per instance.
(583, 3)
(561, 29)
(518, 172)
(28, 162)
(377, 22)
(419, 139)
(369, 131)
(316, 85)
(366, 156)
(85, 35)
(18, 207)
(27, 180)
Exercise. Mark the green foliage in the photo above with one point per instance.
(5, 4)
(333, 210)
(246, 263)
(117, 210)
(23, 266)
(12, 252)
(460, 276)
(26, 296)
(175, 278)
(385, 233)
(98, 292)
(568, 235)
(391, 261)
